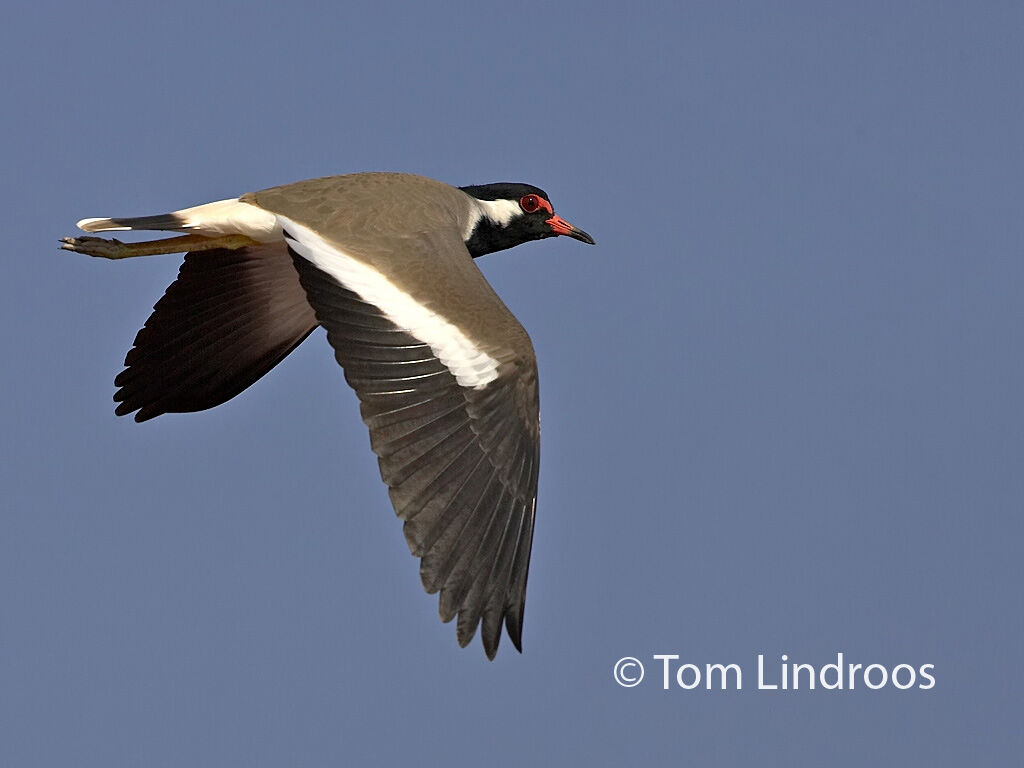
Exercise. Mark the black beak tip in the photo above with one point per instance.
(583, 237)
(560, 226)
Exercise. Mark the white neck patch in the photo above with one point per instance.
(499, 212)
(469, 364)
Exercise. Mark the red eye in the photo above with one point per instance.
(530, 203)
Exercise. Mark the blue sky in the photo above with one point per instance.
(781, 398)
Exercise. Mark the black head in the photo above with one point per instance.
(511, 214)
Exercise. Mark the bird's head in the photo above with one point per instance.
(510, 214)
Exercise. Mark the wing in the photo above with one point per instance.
(229, 317)
(455, 428)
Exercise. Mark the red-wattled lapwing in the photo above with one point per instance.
(446, 376)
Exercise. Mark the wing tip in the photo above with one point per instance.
(125, 407)
(514, 628)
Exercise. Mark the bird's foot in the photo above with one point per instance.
(115, 249)
(95, 246)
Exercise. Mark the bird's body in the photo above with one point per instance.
(446, 376)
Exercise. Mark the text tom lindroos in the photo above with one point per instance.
(784, 675)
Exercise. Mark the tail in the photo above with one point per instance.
(169, 222)
(223, 217)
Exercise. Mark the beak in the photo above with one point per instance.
(563, 227)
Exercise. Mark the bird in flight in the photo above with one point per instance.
(446, 376)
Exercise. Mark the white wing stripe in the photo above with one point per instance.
(470, 365)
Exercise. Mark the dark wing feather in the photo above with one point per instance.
(460, 463)
(229, 317)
